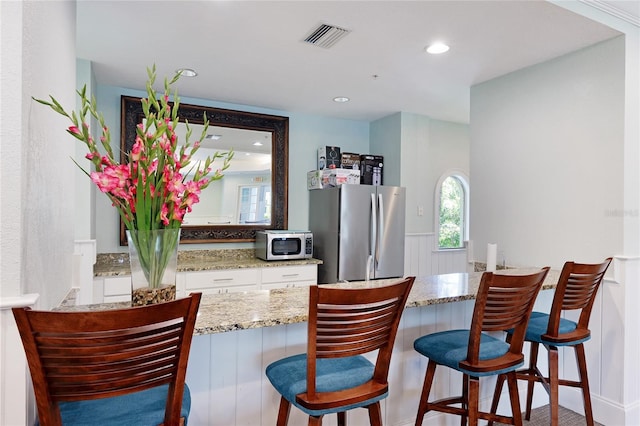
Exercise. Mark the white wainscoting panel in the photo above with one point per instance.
(422, 257)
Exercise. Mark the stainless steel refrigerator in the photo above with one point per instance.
(358, 232)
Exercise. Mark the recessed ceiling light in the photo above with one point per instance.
(213, 137)
(437, 48)
(341, 99)
(186, 72)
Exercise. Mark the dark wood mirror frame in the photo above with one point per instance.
(131, 115)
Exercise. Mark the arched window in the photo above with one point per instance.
(452, 210)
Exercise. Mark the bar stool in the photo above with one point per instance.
(120, 367)
(334, 376)
(503, 302)
(576, 291)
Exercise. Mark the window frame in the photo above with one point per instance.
(462, 177)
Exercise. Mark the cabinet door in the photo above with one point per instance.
(289, 276)
(117, 289)
(222, 281)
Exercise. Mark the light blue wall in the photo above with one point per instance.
(306, 134)
(386, 140)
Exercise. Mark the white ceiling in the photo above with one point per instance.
(252, 52)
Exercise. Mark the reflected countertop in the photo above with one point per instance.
(226, 312)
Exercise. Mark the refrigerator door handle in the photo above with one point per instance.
(374, 228)
(380, 229)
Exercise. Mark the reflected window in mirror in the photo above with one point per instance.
(254, 204)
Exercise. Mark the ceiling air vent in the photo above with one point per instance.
(326, 35)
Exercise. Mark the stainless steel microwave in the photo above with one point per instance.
(284, 245)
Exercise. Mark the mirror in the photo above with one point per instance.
(260, 172)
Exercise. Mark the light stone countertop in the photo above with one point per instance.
(226, 312)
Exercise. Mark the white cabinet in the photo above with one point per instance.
(289, 276)
(222, 281)
(118, 289)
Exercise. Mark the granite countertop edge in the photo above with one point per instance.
(227, 312)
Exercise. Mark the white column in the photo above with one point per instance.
(84, 257)
(17, 406)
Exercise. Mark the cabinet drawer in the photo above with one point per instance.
(232, 289)
(119, 298)
(224, 278)
(117, 286)
(289, 274)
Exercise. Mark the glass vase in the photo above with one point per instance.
(153, 256)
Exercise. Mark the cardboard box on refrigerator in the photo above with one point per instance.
(329, 157)
(339, 177)
(371, 171)
(318, 179)
(350, 161)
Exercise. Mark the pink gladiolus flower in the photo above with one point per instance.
(136, 150)
(192, 187)
(104, 182)
(189, 201)
(178, 214)
(164, 212)
(165, 144)
(151, 176)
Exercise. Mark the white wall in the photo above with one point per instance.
(38, 188)
(36, 179)
(546, 150)
(85, 218)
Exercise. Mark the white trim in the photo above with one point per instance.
(607, 7)
(18, 301)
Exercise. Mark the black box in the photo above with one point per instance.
(329, 157)
(371, 171)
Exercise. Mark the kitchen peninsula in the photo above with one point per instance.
(239, 334)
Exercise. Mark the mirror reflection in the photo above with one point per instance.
(243, 196)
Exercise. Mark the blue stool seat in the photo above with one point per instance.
(289, 377)
(136, 409)
(450, 347)
(538, 327)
